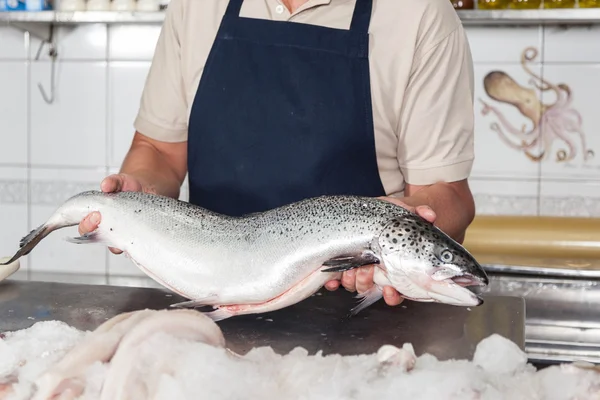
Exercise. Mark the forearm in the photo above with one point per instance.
(154, 168)
(454, 208)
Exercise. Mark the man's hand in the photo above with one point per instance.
(112, 184)
(361, 279)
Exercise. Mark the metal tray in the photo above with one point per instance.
(318, 323)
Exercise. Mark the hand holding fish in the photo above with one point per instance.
(112, 184)
(361, 279)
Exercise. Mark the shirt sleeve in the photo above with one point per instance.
(436, 125)
(163, 106)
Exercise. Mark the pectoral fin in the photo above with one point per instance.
(371, 296)
(200, 302)
(90, 237)
(345, 263)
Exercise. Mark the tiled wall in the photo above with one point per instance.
(49, 152)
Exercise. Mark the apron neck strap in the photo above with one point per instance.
(234, 7)
(360, 19)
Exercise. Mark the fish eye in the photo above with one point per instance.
(446, 256)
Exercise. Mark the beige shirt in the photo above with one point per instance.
(421, 79)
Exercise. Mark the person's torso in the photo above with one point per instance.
(396, 36)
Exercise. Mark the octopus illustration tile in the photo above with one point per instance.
(505, 118)
(571, 121)
(543, 120)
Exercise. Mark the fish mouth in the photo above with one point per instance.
(459, 290)
(468, 280)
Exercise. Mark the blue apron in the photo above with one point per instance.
(282, 113)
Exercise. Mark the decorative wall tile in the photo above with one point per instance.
(573, 44)
(133, 42)
(126, 82)
(570, 198)
(13, 112)
(491, 44)
(49, 189)
(13, 211)
(505, 197)
(506, 120)
(12, 44)
(571, 123)
(77, 42)
(72, 130)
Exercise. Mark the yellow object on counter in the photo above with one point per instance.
(550, 242)
(589, 3)
(492, 4)
(559, 4)
(525, 4)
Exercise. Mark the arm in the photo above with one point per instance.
(435, 137)
(453, 204)
(159, 167)
(157, 159)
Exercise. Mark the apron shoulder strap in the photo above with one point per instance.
(233, 8)
(361, 18)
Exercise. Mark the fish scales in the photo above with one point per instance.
(274, 258)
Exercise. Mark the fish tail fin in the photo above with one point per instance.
(29, 241)
(70, 213)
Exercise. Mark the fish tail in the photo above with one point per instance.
(70, 213)
(29, 241)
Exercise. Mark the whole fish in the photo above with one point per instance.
(267, 261)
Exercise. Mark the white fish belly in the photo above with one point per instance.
(217, 270)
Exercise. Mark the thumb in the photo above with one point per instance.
(426, 212)
(112, 183)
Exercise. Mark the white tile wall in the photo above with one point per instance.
(572, 45)
(506, 196)
(13, 44)
(13, 211)
(72, 130)
(13, 112)
(55, 150)
(126, 82)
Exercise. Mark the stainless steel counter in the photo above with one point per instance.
(318, 323)
(563, 315)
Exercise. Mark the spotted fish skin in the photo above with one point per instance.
(258, 262)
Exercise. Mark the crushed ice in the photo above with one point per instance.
(167, 367)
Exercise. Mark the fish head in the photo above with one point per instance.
(425, 264)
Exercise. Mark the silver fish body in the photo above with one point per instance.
(266, 261)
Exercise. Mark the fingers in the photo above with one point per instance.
(115, 251)
(349, 280)
(120, 183)
(391, 296)
(89, 223)
(111, 183)
(332, 285)
(364, 278)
